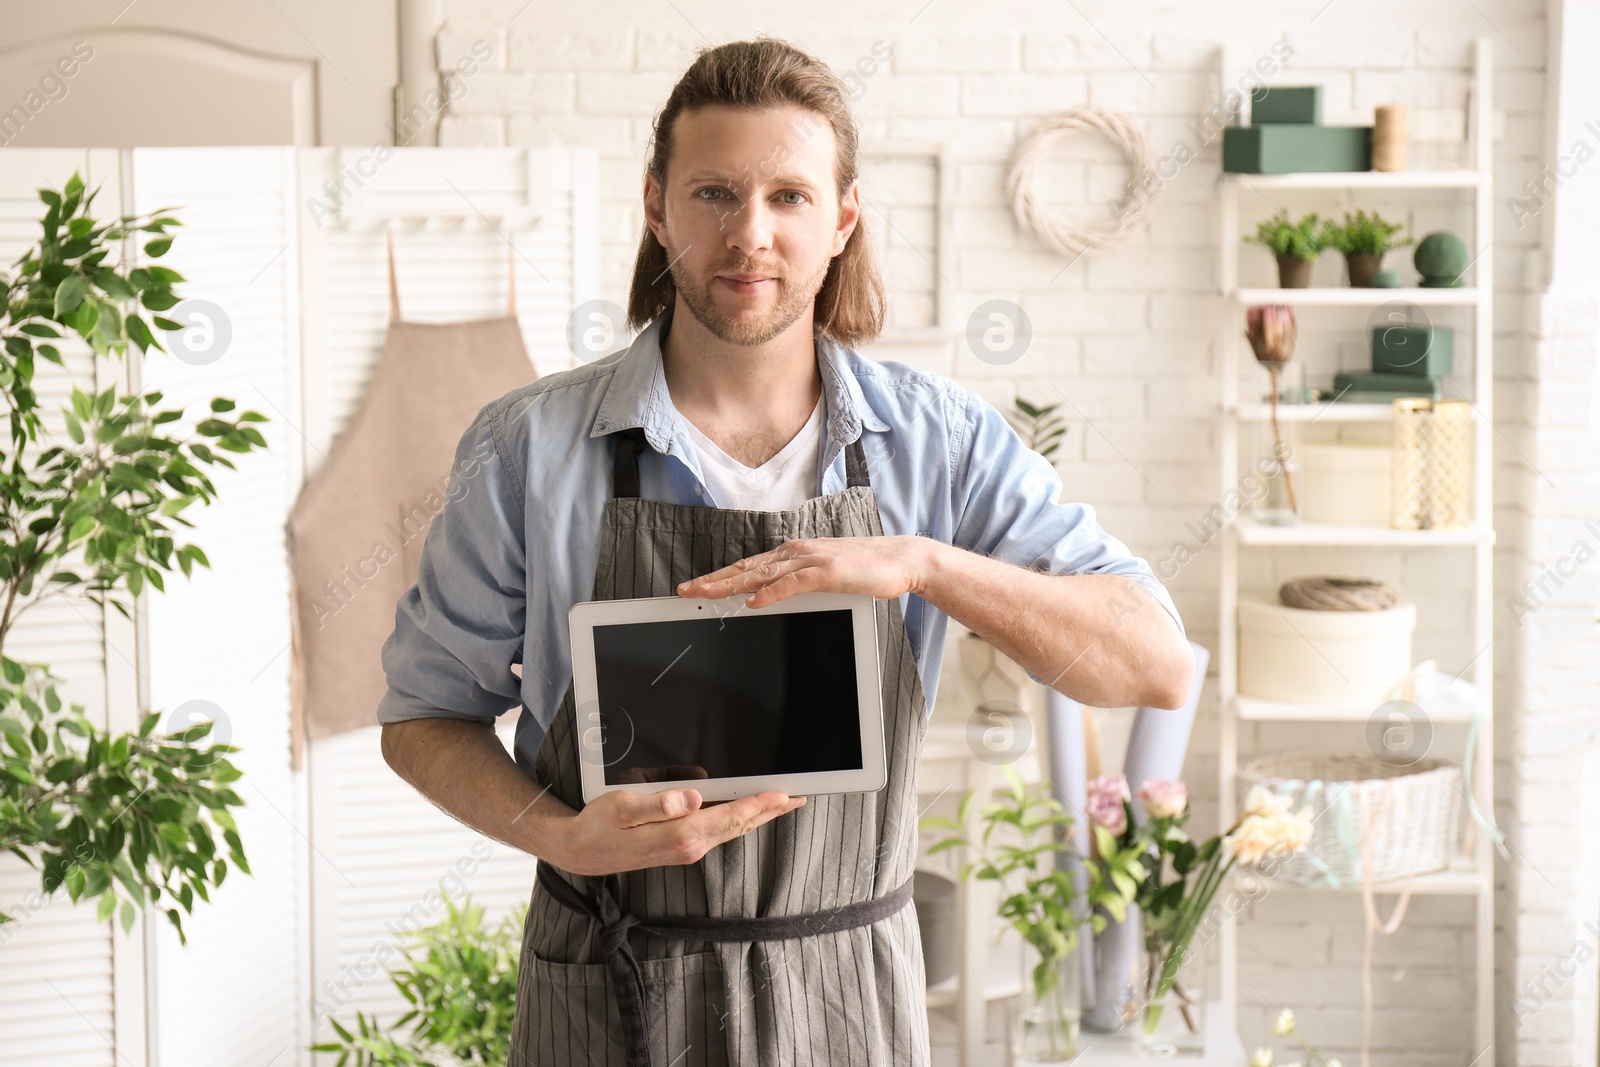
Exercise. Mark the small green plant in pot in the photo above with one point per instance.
(1048, 908)
(1295, 244)
(1363, 239)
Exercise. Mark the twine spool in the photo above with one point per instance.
(1389, 137)
(1338, 594)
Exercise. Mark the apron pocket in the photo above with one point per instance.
(572, 1015)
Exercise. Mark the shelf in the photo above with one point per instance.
(1256, 709)
(1338, 296)
(1366, 179)
(1321, 411)
(1222, 1046)
(1460, 879)
(1327, 533)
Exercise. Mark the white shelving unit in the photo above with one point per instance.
(1472, 874)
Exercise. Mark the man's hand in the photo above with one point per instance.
(885, 568)
(622, 830)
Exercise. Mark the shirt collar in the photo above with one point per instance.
(637, 393)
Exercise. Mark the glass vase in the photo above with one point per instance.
(1170, 1020)
(1275, 482)
(1046, 1028)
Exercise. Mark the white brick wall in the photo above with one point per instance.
(1129, 334)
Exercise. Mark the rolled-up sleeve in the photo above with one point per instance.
(459, 628)
(1007, 505)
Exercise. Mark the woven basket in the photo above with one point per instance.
(1410, 813)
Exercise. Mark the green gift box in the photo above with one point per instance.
(1369, 387)
(1423, 351)
(1286, 103)
(1283, 148)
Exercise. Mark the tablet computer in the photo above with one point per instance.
(706, 692)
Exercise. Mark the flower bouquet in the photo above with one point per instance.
(1178, 881)
(1044, 904)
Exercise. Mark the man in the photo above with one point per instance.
(726, 450)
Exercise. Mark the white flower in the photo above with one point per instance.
(1334, 1063)
(1268, 828)
(1283, 1026)
(1261, 1058)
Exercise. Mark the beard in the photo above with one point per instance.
(791, 302)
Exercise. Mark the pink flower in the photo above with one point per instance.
(1112, 785)
(1105, 809)
(1163, 798)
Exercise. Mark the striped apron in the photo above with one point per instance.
(794, 943)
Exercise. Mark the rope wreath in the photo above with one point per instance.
(1338, 594)
(1143, 187)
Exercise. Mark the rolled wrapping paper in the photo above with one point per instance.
(1067, 770)
(1157, 745)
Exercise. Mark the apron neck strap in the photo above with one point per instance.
(394, 288)
(511, 273)
(630, 443)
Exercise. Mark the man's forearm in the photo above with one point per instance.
(464, 769)
(1098, 638)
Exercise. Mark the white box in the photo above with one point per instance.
(1322, 657)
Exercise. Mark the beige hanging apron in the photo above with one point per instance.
(793, 944)
(356, 530)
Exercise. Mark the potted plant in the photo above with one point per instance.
(94, 811)
(1043, 904)
(1295, 244)
(461, 983)
(1363, 239)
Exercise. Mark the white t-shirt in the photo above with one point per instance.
(792, 476)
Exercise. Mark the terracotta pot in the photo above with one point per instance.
(1362, 267)
(1294, 272)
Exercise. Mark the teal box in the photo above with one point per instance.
(1423, 351)
(1368, 387)
(1286, 104)
(1285, 148)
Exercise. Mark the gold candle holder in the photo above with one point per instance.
(1431, 465)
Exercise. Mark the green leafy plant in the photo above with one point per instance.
(1303, 240)
(1046, 909)
(90, 517)
(1363, 235)
(462, 984)
(1038, 425)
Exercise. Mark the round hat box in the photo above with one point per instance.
(1322, 657)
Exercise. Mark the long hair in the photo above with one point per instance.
(768, 73)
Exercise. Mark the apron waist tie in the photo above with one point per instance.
(627, 979)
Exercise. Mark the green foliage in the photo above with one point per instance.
(93, 516)
(462, 984)
(1304, 239)
(1363, 234)
(1046, 908)
(117, 819)
(1039, 427)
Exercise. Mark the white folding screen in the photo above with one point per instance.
(221, 638)
(346, 857)
(384, 857)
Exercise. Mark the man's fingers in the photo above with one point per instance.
(637, 809)
(727, 821)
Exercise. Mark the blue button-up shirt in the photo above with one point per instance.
(516, 541)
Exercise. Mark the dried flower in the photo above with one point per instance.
(1271, 332)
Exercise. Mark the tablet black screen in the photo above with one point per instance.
(728, 697)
